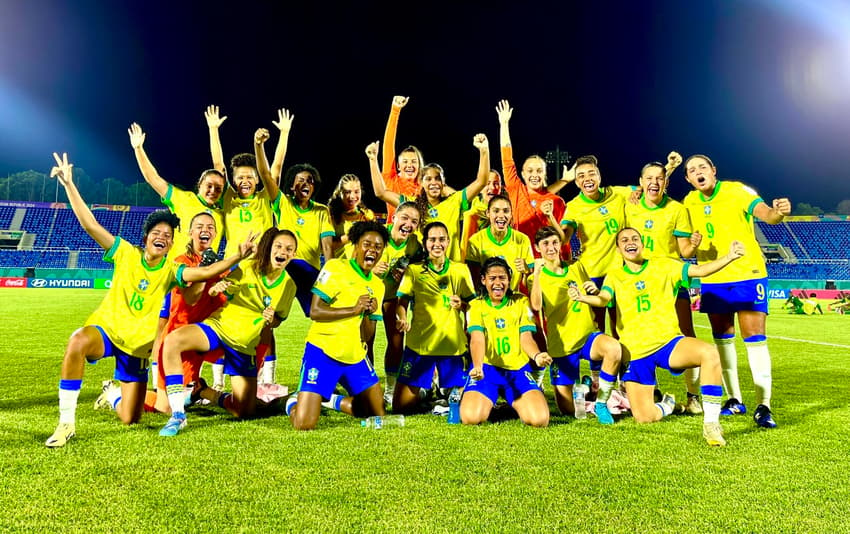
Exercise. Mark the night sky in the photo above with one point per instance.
(763, 87)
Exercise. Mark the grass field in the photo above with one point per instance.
(260, 476)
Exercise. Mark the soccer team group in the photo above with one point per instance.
(476, 287)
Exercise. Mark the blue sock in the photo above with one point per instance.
(222, 398)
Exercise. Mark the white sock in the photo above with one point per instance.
(113, 395)
(268, 371)
(729, 363)
(692, 380)
(218, 374)
(68, 405)
(760, 367)
(154, 373)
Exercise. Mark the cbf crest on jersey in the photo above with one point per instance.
(603, 210)
(267, 301)
(432, 212)
(707, 209)
(312, 375)
(640, 285)
(500, 323)
(143, 284)
(648, 224)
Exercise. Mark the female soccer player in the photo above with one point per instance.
(309, 220)
(533, 204)
(124, 324)
(572, 334)
(345, 307)
(723, 211)
(437, 291)
(597, 213)
(666, 230)
(184, 204)
(500, 239)
(644, 293)
(476, 218)
(430, 200)
(259, 294)
(346, 208)
(191, 304)
(402, 248)
(500, 325)
(247, 203)
(403, 178)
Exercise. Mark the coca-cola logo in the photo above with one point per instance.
(13, 282)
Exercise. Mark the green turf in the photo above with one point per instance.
(261, 476)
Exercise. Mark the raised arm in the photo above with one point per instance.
(284, 125)
(197, 274)
(381, 191)
(483, 145)
(137, 140)
(536, 296)
(773, 215)
(688, 245)
(736, 250)
(568, 176)
(63, 171)
(213, 123)
(504, 111)
(674, 159)
(388, 155)
(271, 185)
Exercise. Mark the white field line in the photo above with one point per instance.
(794, 339)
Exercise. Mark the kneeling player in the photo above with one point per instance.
(437, 291)
(345, 293)
(501, 343)
(572, 332)
(644, 292)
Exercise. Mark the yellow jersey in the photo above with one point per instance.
(660, 226)
(449, 212)
(502, 325)
(596, 223)
(483, 245)
(129, 312)
(340, 284)
(186, 205)
(568, 323)
(240, 321)
(646, 303)
(244, 215)
(726, 216)
(310, 225)
(435, 328)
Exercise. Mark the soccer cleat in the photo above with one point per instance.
(175, 424)
(63, 433)
(603, 414)
(763, 417)
(693, 406)
(102, 400)
(670, 401)
(713, 434)
(733, 407)
(441, 407)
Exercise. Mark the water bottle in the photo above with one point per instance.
(579, 391)
(454, 407)
(382, 421)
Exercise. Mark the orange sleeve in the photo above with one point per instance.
(388, 151)
(517, 192)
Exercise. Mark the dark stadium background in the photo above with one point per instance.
(761, 86)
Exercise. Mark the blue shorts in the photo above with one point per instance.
(235, 363)
(127, 368)
(320, 374)
(417, 370)
(564, 371)
(304, 275)
(165, 311)
(643, 371)
(510, 384)
(597, 280)
(749, 295)
(683, 294)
